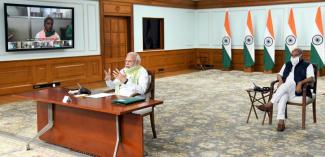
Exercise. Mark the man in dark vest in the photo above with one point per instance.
(291, 77)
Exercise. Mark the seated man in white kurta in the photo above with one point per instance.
(291, 77)
(132, 79)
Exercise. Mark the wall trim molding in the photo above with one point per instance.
(207, 4)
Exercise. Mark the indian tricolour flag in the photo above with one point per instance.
(291, 36)
(317, 54)
(249, 49)
(226, 43)
(269, 44)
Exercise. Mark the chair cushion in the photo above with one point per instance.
(298, 99)
(143, 111)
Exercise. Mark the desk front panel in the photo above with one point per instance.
(92, 132)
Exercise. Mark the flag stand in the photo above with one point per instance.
(226, 69)
(248, 69)
(268, 71)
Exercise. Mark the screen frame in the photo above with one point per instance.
(41, 6)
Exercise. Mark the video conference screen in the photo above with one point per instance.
(34, 27)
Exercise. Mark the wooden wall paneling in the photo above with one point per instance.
(123, 37)
(117, 8)
(165, 3)
(167, 61)
(13, 77)
(237, 59)
(259, 60)
(41, 73)
(117, 41)
(69, 72)
(20, 76)
(214, 56)
(93, 70)
(279, 60)
(203, 4)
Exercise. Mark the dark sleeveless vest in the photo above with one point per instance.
(299, 74)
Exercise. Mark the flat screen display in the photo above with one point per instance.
(36, 27)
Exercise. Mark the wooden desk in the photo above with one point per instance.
(93, 126)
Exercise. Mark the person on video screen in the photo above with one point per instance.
(48, 33)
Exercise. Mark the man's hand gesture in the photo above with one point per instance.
(118, 75)
(108, 75)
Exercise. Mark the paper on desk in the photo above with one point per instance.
(100, 95)
(80, 95)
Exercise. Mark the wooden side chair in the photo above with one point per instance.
(150, 93)
(303, 100)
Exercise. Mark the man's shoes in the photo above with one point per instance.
(265, 108)
(281, 126)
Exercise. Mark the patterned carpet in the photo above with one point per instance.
(204, 114)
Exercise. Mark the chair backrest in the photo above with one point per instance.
(151, 88)
(314, 87)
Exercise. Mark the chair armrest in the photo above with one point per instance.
(308, 83)
(134, 94)
(305, 85)
(272, 89)
(304, 91)
(273, 83)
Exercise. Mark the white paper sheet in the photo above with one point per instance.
(100, 95)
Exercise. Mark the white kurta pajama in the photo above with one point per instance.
(286, 91)
(130, 87)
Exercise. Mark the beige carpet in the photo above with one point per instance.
(204, 114)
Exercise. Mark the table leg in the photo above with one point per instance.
(117, 136)
(263, 96)
(255, 112)
(46, 128)
(269, 114)
(249, 114)
(252, 99)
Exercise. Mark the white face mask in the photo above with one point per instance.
(295, 60)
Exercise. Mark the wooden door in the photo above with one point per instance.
(116, 41)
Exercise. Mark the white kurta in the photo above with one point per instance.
(130, 87)
(286, 91)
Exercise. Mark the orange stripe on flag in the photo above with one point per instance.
(249, 22)
(269, 24)
(291, 22)
(318, 20)
(227, 26)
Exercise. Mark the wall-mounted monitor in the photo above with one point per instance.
(37, 27)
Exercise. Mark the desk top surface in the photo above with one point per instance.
(55, 96)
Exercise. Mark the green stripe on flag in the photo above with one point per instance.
(248, 60)
(268, 62)
(226, 61)
(287, 54)
(315, 58)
